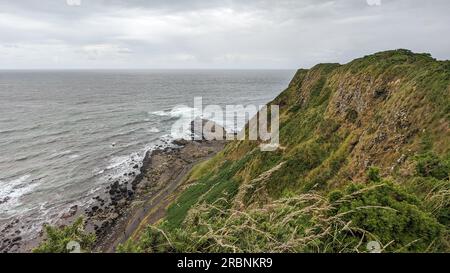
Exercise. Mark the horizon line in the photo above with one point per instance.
(115, 69)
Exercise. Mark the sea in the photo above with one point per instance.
(65, 134)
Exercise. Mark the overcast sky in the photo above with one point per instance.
(214, 34)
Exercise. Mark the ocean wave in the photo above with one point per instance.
(41, 138)
(161, 113)
(184, 116)
(23, 158)
(7, 187)
(136, 122)
(176, 112)
(85, 118)
(7, 119)
(19, 130)
(66, 154)
(11, 192)
(154, 130)
(124, 133)
(60, 154)
(120, 166)
(118, 161)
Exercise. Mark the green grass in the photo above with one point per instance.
(344, 222)
(57, 239)
(209, 188)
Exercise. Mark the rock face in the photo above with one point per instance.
(387, 102)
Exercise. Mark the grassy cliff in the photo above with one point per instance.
(364, 156)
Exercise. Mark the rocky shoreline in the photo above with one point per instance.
(161, 174)
(113, 215)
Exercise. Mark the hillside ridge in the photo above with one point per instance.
(366, 154)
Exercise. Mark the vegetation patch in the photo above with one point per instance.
(344, 222)
(208, 188)
(58, 239)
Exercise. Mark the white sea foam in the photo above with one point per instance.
(119, 166)
(60, 153)
(12, 187)
(154, 130)
(176, 112)
(118, 161)
(12, 191)
(160, 113)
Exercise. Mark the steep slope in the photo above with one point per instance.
(364, 156)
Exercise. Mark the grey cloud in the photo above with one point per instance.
(214, 34)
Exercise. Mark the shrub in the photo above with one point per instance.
(153, 240)
(434, 195)
(429, 164)
(386, 213)
(374, 174)
(57, 239)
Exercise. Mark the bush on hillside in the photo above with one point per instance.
(430, 165)
(387, 214)
(58, 238)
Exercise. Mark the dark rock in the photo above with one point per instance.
(115, 185)
(380, 93)
(4, 200)
(180, 142)
(113, 216)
